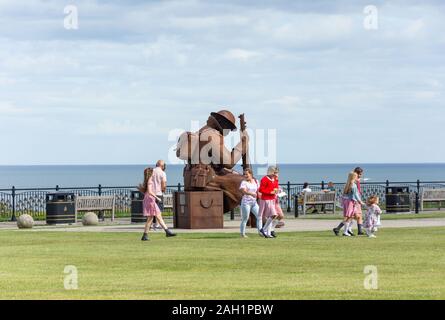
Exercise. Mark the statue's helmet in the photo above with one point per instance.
(226, 119)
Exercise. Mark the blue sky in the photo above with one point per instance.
(111, 91)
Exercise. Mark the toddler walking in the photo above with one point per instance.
(372, 219)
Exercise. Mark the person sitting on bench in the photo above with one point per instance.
(307, 189)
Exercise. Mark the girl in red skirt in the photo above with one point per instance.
(268, 208)
(150, 208)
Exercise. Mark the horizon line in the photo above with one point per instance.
(255, 164)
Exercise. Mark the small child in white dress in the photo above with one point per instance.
(372, 219)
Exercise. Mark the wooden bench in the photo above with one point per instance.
(432, 195)
(95, 203)
(168, 201)
(316, 198)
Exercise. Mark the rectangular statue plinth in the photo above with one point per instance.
(198, 210)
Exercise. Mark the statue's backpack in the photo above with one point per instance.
(187, 146)
(196, 175)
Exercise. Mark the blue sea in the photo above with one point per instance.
(131, 175)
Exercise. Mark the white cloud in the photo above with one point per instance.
(202, 23)
(426, 95)
(110, 127)
(7, 81)
(134, 64)
(293, 103)
(241, 55)
(293, 29)
(414, 28)
(9, 109)
(167, 50)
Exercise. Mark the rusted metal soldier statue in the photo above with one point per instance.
(209, 163)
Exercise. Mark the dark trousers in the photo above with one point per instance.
(160, 205)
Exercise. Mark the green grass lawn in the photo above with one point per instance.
(303, 265)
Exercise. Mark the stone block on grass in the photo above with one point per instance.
(25, 221)
(90, 219)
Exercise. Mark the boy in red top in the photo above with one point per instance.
(268, 190)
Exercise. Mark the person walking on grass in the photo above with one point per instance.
(149, 207)
(267, 203)
(278, 222)
(372, 216)
(351, 201)
(159, 188)
(249, 188)
(359, 215)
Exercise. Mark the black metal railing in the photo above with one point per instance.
(17, 201)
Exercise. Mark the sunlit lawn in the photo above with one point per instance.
(303, 265)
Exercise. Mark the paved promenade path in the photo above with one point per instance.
(292, 225)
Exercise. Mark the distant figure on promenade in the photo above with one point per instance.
(249, 188)
(331, 187)
(351, 202)
(150, 208)
(159, 188)
(307, 189)
(371, 220)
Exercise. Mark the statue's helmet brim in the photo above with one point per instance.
(226, 119)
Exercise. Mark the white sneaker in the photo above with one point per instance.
(346, 234)
(372, 236)
(244, 236)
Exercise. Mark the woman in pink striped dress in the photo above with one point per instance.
(150, 208)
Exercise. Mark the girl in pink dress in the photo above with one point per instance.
(278, 222)
(150, 208)
(372, 216)
(351, 204)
